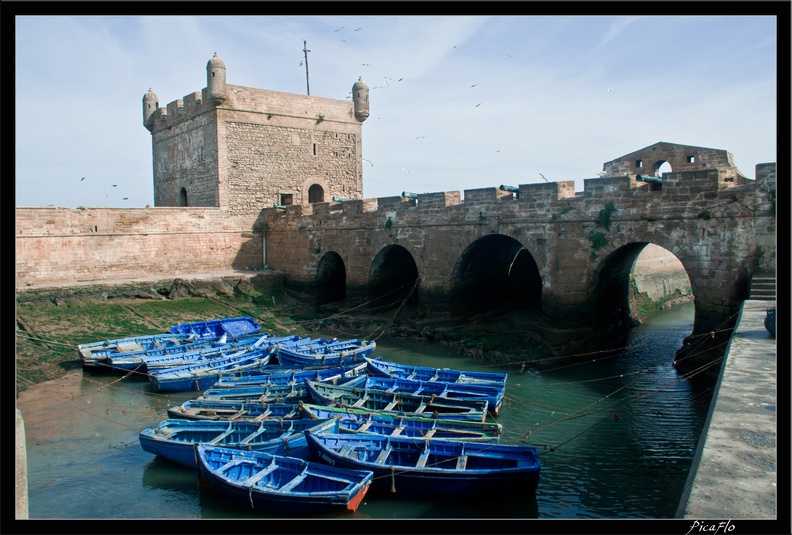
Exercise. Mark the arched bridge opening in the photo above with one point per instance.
(393, 279)
(495, 272)
(330, 279)
(623, 288)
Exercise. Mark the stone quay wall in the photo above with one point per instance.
(77, 245)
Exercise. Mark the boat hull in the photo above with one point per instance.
(358, 420)
(281, 486)
(487, 469)
(177, 440)
(332, 354)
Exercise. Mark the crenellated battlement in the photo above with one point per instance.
(684, 191)
(181, 110)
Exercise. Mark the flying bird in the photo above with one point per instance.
(545, 179)
(504, 55)
(611, 90)
(83, 178)
(125, 199)
(479, 104)
(358, 29)
(405, 169)
(366, 65)
(368, 161)
(114, 186)
(341, 28)
(474, 85)
(422, 137)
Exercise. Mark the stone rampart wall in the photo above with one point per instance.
(720, 232)
(69, 245)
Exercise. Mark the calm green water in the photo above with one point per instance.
(616, 437)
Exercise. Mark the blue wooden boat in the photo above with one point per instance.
(280, 374)
(94, 355)
(279, 392)
(428, 469)
(332, 353)
(214, 409)
(177, 439)
(233, 327)
(397, 402)
(382, 368)
(203, 375)
(358, 420)
(172, 358)
(279, 485)
(493, 394)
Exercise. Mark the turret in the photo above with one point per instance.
(360, 96)
(150, 105)
(216, 79)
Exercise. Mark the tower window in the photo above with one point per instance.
(313, 148)
(691, 159)
(286, 199)
(639, 163)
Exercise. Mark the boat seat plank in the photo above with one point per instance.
(359, 403)
(264, 415)
(422, 459)
(383, 455)
(220, 437)
(293, 483)
(365, 426)
(347, 449)
(461, 462)
(252, 480)
(391, 406)
(230, 464)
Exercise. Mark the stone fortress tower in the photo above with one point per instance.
(244, 149)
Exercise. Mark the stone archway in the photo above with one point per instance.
(330, 279)
(315, 194)
(393, 279)
(493, 272)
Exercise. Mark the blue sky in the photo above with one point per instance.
(457, 102)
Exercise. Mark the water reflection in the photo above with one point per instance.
(616, 440)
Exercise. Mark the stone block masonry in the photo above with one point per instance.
(68, 245)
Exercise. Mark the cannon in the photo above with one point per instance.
(513, 189)
(338, 199)
(409, 195)
(650, 179)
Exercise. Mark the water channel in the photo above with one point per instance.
(616, 436)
